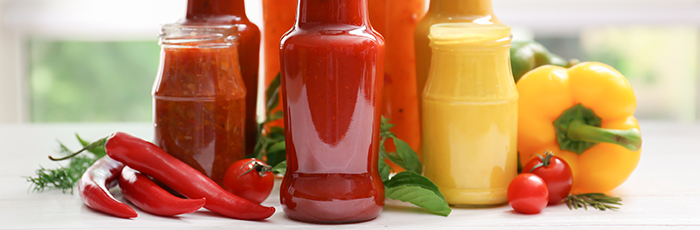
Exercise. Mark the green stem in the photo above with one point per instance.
(93, 145)
(630, 139)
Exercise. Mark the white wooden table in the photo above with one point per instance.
(663, 191)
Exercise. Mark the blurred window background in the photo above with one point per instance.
(95, 60)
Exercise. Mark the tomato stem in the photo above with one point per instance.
(546, 160)
(261, 169)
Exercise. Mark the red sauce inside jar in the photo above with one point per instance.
(232, 12)
(199, 98)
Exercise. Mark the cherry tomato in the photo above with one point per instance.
(528, 194)
(555, 172)
(250, 179)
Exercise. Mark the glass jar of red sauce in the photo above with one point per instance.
(232, 12)
(332, 66)
(199, 97)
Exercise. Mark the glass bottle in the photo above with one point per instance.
(470, 110)
(396, 20)
(199, 97)
(232, 12)
(278, 18)
(444, 11)
(332, 64)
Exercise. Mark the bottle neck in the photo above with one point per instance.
(205, 10)
(353, 12)
(461, 7)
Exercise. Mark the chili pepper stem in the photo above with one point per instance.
(97, 143)
(630, 139)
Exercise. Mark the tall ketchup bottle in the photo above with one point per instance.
(332, 63)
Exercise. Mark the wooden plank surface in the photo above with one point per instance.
(663, 191)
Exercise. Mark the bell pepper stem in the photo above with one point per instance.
(630, 139)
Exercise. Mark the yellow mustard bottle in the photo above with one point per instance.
(470, 113)
(446, 11)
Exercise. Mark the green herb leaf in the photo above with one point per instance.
(280, 168)
(277, 130)
(411, 187)
(276, 116)
(385, 125)
(407, 177)
(272, 94)
(276, 153)
(407, 158)
(257, 151)
(270, 145)
(384, 169)
(598, 201)
(65, 177)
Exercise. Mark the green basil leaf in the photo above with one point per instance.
(276, 116)
(276, 137)
(405, 157)
(407, 177)
(276, 130)
(384, 170)
(280, 168)
(413, 188)
(272, 94)
(276, 153)
(385, 125)
(276, 147)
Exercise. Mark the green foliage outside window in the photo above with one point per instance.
(85, 81)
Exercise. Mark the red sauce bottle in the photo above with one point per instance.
(232, 12)
(199, 98)
(332, 66)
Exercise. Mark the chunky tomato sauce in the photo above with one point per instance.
(332, 67)
(199, 107)
(232, 12)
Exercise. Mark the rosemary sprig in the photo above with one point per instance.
(598, 201)
(65, 177)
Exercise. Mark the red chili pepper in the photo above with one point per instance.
(94, 188)
(147, 195)
(147, 158)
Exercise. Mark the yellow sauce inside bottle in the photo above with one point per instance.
(470, 114)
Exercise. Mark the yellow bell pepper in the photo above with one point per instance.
(585, 115)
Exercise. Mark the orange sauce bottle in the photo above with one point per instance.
(396, 20)
(278, 18)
